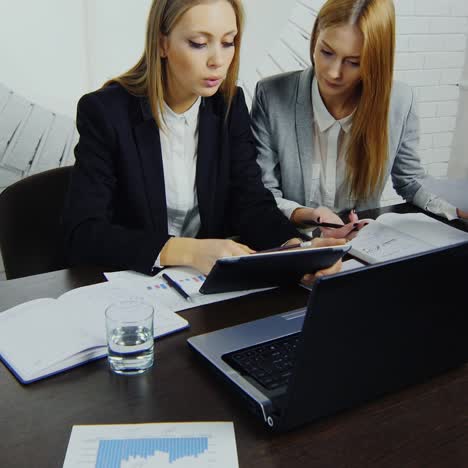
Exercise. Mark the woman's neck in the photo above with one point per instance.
(177, 101)
(342, 105)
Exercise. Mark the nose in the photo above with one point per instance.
(215, 59)
(335, 70)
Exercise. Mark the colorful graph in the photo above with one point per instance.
(114, 453)
(193, 280)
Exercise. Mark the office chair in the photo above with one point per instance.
(30, 223)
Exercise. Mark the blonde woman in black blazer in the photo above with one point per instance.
(117, 213)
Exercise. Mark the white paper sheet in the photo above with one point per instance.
(175, 445)
(189, 279)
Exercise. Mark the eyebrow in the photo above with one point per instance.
(205, 33)
(349, 56)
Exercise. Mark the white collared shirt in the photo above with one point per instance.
(179, 144)
(331, 138)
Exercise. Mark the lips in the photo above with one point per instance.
(212, 81)
(332, 85)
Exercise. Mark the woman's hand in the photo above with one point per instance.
(323, 214)
(200, 254)
(309, 278)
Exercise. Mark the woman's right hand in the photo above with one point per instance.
(200, 254)
(322, 214)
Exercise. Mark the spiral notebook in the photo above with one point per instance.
(46, 336)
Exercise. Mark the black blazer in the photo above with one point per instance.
(115, 213)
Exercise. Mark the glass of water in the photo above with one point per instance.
(130, 342)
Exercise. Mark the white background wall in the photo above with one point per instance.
(42, 51)
(53, 51)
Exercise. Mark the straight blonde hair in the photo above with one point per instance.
(367, 155)
(147, 77)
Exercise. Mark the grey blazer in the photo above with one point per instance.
(282, 117)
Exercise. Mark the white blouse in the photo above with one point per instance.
(179, 144)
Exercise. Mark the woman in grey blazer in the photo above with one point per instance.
(328, 137)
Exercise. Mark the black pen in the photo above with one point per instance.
(317, 224)
(177, 287)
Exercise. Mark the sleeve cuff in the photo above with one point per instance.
(287, 206)
(436, 205)
(442, 208)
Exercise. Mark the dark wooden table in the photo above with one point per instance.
(422, 426)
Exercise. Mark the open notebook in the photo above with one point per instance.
(394, 235)
(45, 336)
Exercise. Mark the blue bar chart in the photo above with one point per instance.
(112, 453)
(153, 445)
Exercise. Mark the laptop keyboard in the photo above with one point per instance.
(270, 364)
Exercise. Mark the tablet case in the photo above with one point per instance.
(265, 270)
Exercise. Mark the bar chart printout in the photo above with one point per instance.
(175, 445)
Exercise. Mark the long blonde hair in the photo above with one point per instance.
(147, 77)
(367, 154)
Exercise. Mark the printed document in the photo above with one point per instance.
(171, 445)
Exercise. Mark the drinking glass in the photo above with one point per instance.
(130, 342)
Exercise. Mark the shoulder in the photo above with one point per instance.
(112, 100)
(402, 97)
(280, 83)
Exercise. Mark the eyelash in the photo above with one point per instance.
(197, 45)
(327, 53)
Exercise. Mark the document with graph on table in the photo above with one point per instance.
(176, 445)
(187, 278)
(394, 235)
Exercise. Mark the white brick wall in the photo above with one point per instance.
(432, 37)
(431, 46)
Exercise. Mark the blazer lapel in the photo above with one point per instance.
(304, 128)
(209, 152)
(149, 149)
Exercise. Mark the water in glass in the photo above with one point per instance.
(131, 349)
(130, 340)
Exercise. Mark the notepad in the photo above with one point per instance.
(394, 235)
(45, 336)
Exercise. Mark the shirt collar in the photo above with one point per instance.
(190, 116)
(323, 118)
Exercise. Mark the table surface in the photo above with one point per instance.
(424, 425)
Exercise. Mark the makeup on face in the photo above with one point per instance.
(337, 58)
(199, 51)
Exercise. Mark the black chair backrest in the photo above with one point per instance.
(31, 235)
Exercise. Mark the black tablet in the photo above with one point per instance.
(262, 270)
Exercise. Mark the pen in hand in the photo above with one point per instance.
(177, 287)
(317, 224)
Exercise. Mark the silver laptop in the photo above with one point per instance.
(364, 333)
